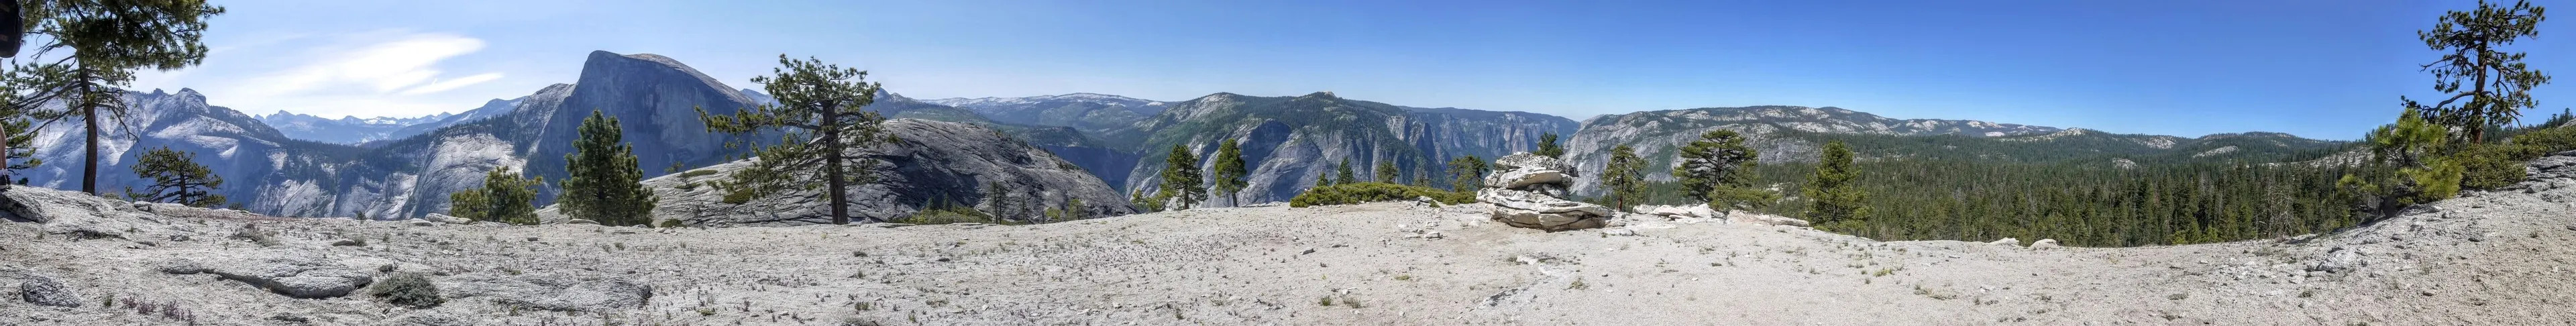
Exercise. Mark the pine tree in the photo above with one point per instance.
(504, 197)
(1625, 176)
(176, 178)
(1718, 169)
(1075, 210)
(1837, 202)
(2415, 166)
(1323, 180)
(1547, 146)
(1182, 179)
(1386, 172)
(605, 183)
(1230, 170)
(1144, 203)
(1342, 176)
(995, 198)
(821, 108)
(1467, 173)
(2499, 83)
(108, 40)
(17, 137)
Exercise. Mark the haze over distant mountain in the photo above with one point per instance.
(1793, 134)
(1086, 111)
(347, 129)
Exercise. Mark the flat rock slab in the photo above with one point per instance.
(549, 292)
(300, 276)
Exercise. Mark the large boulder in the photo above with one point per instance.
(549, 292)
(1523, 195)
(298, 275)
(1527, 161)
(44, 291)
(1524, 178)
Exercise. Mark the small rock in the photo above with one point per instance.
(2044, 244)
(1624, 232)
(582, 221)
(420, 222)
(44, 291)
(348, 243)
(2007, 242)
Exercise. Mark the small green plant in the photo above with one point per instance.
(408, 290)
(697, 173)
(706, 311)
(1578, 285)
(1325, 301)
(1403, 277)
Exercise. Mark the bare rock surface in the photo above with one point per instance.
(1525, 194)
(44, 291)
(2488, 258)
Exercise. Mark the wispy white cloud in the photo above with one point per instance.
(442, 86)
(377, 73)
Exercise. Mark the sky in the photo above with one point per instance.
(2319, 69)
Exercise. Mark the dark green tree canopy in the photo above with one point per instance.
(820, 112)
(2474, 67)
(1182, 178)
(176, 178)
(605, 184)
(1230, 170)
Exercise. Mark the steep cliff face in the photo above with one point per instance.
(235, 146)
(1288, 141)
(935, 162)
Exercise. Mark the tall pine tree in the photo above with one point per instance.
(1182, 178)
(1342, 175)
(1837, 202)
(109, 40)
(821, 108)
(2475, 67)
(1626, 177)
(1230, 170)
(605, 184)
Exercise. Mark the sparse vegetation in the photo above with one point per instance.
(408, 290)
(1354, 193)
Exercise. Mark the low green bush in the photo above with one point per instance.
(2490, 166)
(1363, 192)
(951, 215)
(697, 173)
(408, 290)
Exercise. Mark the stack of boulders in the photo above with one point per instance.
(1527, 192)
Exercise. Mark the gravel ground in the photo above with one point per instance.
(2499, 258)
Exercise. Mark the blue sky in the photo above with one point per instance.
(2324, 69)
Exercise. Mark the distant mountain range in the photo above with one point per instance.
(301, 165)
(346, 129)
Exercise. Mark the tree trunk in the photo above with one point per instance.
(89, 115)
(832, 166)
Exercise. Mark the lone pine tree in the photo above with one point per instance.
(605, 184)
(1837, 202)
(1230, 170)
(1182, 178)
(820, 107)
(2474, 67)
(176, 178)
(108, 40)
